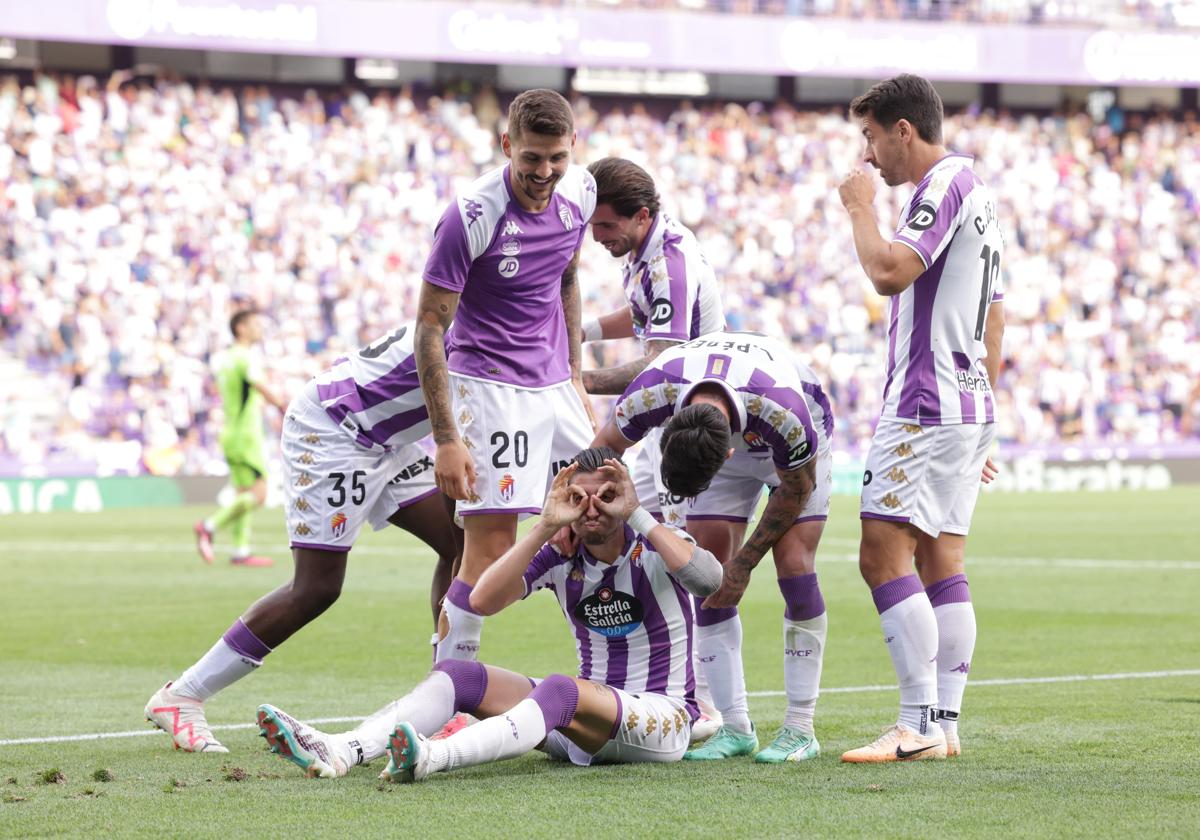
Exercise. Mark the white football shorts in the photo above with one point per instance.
(735, 490)
(650, 728)
(519, 439)
(333, 486)
(928, 476)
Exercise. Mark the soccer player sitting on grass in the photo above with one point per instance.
(624, 592)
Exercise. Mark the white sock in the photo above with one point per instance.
(427, 707)
(803, 655)
(505, 736)
(956, 645)
(720, 648)
(222, 666)
(703, 695)
(462, 640)
(910, 631)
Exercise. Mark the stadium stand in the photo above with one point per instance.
(139, 213)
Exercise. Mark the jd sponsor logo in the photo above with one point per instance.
(509, 266)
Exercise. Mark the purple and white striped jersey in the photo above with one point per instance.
(374, 394)
(935, 370)
(632, 620)
(780, 408)
(671, 289)
(507, 264)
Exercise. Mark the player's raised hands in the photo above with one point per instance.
(454, 470)
(565, 502)
(617, 496)
(857, 188)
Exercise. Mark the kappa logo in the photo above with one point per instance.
(464, 418)
(896, 475)
(890, 501)
(963, 668)
(306, 458)
(312, 438)
(912, 428)
(632, 721)
(904, 450)
(564, 215)
(473, 210)
(302, 530)
(511, 229)
(507, 487)
(304, 480)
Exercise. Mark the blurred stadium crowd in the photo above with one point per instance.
(138, 216)
(1167, 13)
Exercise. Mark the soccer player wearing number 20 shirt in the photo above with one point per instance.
(941, 271)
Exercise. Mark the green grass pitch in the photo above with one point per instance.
(98, 610)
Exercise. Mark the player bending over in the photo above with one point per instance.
(624, 594)
(351, 456)
(739, 413)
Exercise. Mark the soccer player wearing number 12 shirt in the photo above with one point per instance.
(941, 271)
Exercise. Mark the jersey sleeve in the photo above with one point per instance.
(934, 215)
(670, 309)
(647, 403)
(786, 426)
(452, 253)
(542, 570)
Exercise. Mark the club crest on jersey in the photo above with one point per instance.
(507, 487)
(337, 524)
(564, 215)
(610, 612)
(754, 440)
(636, 554)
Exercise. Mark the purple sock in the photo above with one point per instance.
(557, 695)
(470, 682)
(801, 597)
(707, 618)
(952, 590)
(459, 594)
(894, 591)
(242, 639)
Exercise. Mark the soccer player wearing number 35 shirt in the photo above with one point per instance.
(941, 270)
(739, 413)
(625, 593)
(503, 389)
(356, 452)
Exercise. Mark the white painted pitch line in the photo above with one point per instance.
(854, 689)
(824, 557)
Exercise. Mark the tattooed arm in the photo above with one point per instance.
(454, 470)
(615, 380)
(783, 506)
(572, 314)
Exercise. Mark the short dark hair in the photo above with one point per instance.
(540, 111)
(624, 186)
(904, 97)
(238, 317)
(590, 460)
(694, 444)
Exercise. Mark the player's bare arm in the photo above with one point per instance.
(270, 396)
(572, 314)
(610, 435)
(618, 324)
(783, 506)
(615, 380)
(503, 583)
(993, 340)
(454, 470)
(890, 266)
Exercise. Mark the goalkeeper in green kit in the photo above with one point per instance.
(243, 390)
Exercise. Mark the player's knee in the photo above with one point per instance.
(558, 696)
(316, 596)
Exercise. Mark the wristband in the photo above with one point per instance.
(642, 521)
(592, 331)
